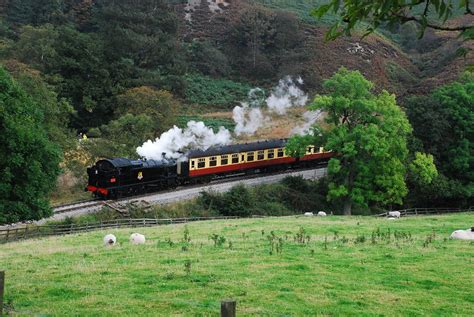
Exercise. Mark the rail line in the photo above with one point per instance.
(97, 203)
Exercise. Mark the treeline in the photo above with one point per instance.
(443, 125)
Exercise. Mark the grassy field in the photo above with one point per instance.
(290, 266)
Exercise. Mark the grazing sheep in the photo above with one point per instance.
(322, 214)
(308, 214)
(136, 238)
(467, 234)
(395, 214)
(110, 239)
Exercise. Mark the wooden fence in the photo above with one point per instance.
(426, 211)
(33, 231)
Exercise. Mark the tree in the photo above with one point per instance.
(57, 111)
(381, 12)
(143, 31)
(121, 137)
(368, 133)
(29, 162)
(159, 105)
(422, 169)
(444, 123)
(36, 46)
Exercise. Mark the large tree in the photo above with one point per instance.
(29, 162)
(368, 134)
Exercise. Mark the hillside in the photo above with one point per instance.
(395, 59)
(296, 266)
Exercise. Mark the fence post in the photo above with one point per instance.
(228, 308)
(2, 290)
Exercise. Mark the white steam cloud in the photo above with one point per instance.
(249, 116)
(286, 95)
(176, 140)
(310, 118)
(247, 120)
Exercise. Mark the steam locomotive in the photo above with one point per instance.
(118, 177)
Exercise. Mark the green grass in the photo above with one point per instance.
(404, 275)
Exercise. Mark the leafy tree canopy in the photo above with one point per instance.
(368, 133)
(159, 105)
(427, 13)
(29, 162)
(444, 123)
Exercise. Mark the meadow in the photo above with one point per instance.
(286, 266)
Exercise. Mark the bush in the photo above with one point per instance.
(208, 91)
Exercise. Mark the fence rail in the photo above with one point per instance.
(33, 231)
(426, 211)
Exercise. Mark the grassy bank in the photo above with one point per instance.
(274, 267)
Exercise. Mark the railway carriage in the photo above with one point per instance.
(266, 156)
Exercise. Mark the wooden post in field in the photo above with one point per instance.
(228, 308)
(2, 289)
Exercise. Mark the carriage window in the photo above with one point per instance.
(271, 154)
(280, 153)
(224, 160)
(235, 158)
(201, 163)
(193, 163)
(308, 149)
(213, 161)
(250, 156)
(260, 155)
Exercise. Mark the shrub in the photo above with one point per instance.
(205, 90)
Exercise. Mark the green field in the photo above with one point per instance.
(290, 266)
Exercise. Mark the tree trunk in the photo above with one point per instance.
(348, 207)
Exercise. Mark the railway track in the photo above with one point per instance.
(77, 205)
(182, 192)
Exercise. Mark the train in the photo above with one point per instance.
(121, 177)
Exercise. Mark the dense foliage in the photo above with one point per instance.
(29, 162)
(292, 195)
(443, 125)
(369, 135)
(377, 13)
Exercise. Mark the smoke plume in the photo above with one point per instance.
(174, 142)
(310, 118)
(248, 117)
(286, 95)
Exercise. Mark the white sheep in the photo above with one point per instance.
(136, 238)
(322, 214)
(467, 234)
(395, 214)
(308, 214)
(110, 239)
